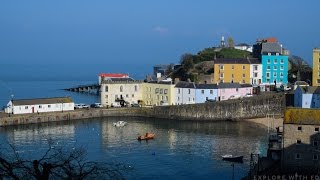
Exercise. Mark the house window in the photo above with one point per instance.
(202, 91)
(49, 106)
(161, 91)
(274, 74)
(281, 74)
(40, 106)
(232, 75)
(243, 75)
(315, 157)
(221, 67)
(157, 90)
(255, 74)
(298, 156)
(281, 61)
(268, 74)
(232, 67)
(189, 91)
(268, 61)
(132, 95)
(281, 68)
(189, 99)
(178, 98)
(275, 67)
(127, 95)
(255, 67)
(299, 128)
(275, 61)
(243, 67)
(26, 107)
(165, 91)
(121, 88)
(298, 141)
(178, 91)
(211, 91)
(316, 129)
(243, 81)
(135, 88)
(237, 89)
(315, 143)
(221, 75)
(268, 67)
(107, 89)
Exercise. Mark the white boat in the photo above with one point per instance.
(119, 124)
(229, 157)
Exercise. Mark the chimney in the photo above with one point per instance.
(176, 80)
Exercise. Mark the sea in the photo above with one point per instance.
(180, 150)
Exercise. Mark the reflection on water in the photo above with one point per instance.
(181, 149)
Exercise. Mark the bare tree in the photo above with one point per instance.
(56, 163)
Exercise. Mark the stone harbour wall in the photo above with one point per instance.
(245, 108)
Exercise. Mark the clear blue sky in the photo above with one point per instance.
(125, 32)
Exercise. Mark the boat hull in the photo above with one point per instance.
(234, 159)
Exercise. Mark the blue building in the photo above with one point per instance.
(307, 97)
(274, 69)
(205, 92)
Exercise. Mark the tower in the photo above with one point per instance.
(222, 44)
(316, 67)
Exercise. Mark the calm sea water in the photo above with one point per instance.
(181, 149)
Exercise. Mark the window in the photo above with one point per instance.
(232, 67)
(178, 98)
(178, 91)
(202, 91)
(221, 75)
(275, 67)
(232, 75)
(298, 141)
(127, 95)
(49, 106)
(165, 91)
(268, 61)
(281, 61)
(107, 89)
(315, 157)
(189, 91)
(281, 74)
(135, 88)
(255, 67)
(243, 75)
(211, 91)
(132, 95)
(277, 54)
(161, 91)
(189, 99)
(315, 143)
(40, 106)
(243, 67)
(298, 156)
(121, 88)
(275, 61)
(157, 90)
(299, 128)
(26, 107)
(268, 74)
(269, 54)
(221, 67)
(237, 89)
(274, 74)
(318, 80)
(316, 129)
(281, 68)
(243, 81)
(268, 67)
(255, 75)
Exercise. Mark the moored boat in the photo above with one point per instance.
(120, 123)
(229, 157)
(147, 136)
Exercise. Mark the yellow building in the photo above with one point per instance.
(316, 67)
(158, 93)
(232, 71)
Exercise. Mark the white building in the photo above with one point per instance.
(24, 106)
(108, 76)
(185, 93)
(255, 72)
(120, 91)
(244, 47)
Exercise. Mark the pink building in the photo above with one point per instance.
(233, 91)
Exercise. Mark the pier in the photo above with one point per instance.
(90, 88)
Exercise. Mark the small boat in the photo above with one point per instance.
(229, 157)
(146, 137)
(120, 124)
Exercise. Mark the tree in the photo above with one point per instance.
(299, 68)
(169, 70)
(230, 42)
(186, 61)
(56, 163)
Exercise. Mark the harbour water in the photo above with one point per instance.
(181, 149)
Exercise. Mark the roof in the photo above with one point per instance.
(228, 85)
(270, 48)
(310, 89)
(112, 75)
(207, 86)
(55, 100)
(302, 116)
(237, 61)
(120, 79)
(184, 84)
(161, 82)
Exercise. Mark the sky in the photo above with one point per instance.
(131, 36)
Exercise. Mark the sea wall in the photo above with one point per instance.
(246, 108)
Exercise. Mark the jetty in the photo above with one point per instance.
(89, 88)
